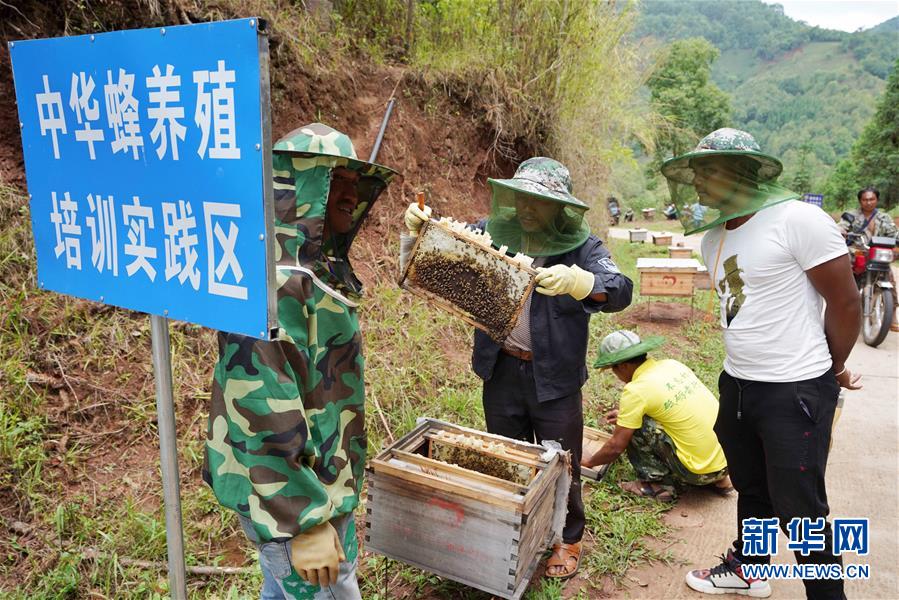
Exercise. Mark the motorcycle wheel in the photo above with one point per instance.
(876, 324)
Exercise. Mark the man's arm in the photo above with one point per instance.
(612, 291)
(612, 449)
(842, 317)
(887, 227)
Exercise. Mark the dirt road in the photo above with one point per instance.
(861, 482)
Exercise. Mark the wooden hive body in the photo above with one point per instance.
(662, 239)
(679, 252)
(667, 276)
(638, 235)
(702, 281)
(480, 530)
(594, 439)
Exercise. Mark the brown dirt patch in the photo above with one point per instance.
(662, 316)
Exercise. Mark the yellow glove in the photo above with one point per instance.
(316, 555)
(560, 279)
(415, 218)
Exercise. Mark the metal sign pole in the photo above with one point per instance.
(168, 455)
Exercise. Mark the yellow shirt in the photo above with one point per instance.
(670, 393)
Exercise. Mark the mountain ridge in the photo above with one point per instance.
(792, 84)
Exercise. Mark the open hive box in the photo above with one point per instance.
(470, 506)
(594, 439)
(458, 270)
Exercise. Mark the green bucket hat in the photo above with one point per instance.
(303, 164)
(743, 180)
(622, 345)
(542, 177)
(317, 139)
(512, 222)
(722, 142)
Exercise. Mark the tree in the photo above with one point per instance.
(841, 186)
(682, 93)
(876, 153)
(802, 180)
(874, 159)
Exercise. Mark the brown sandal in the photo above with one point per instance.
(662, 493)
(562, 556)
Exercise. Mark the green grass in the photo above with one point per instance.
(417, 364)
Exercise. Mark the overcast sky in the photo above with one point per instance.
(846, 15)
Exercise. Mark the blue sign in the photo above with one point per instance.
(816, 199)
(148, 160)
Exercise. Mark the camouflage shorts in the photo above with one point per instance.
(653, 455)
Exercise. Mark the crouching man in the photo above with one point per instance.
(665, 421)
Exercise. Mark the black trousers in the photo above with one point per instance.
(511, 409)
(776, 437)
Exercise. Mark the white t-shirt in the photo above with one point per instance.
(771, 314)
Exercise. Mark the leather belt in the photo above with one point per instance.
(519, 354)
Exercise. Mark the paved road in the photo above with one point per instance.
(861, 481)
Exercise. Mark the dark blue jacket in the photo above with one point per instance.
(560, 324)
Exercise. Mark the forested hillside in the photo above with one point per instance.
(792, 85)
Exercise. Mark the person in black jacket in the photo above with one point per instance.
(532, 382)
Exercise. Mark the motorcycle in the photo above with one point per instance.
(871, 268)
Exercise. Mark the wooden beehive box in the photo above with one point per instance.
(486, 530)
(702, 281)
(484, 287)
(638, 234)
(667, 276)
(662, 239)
(679, 252)
(648, 213)
(593, 441)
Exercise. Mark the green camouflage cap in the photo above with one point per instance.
(622, 345)
(542, 177)
(722, 142)
(317, 139)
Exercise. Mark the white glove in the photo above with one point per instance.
(415, 218)
(561, 279)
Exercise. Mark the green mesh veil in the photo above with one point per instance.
(303, 163)
(725, 177)
(534, 212)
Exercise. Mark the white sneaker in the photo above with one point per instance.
(727, 578)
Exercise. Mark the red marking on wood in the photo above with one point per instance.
(669, 280)
(403, 530)
(454, 508)
(460, 549)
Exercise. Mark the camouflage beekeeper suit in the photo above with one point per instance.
(286, 440)
(880, 225)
